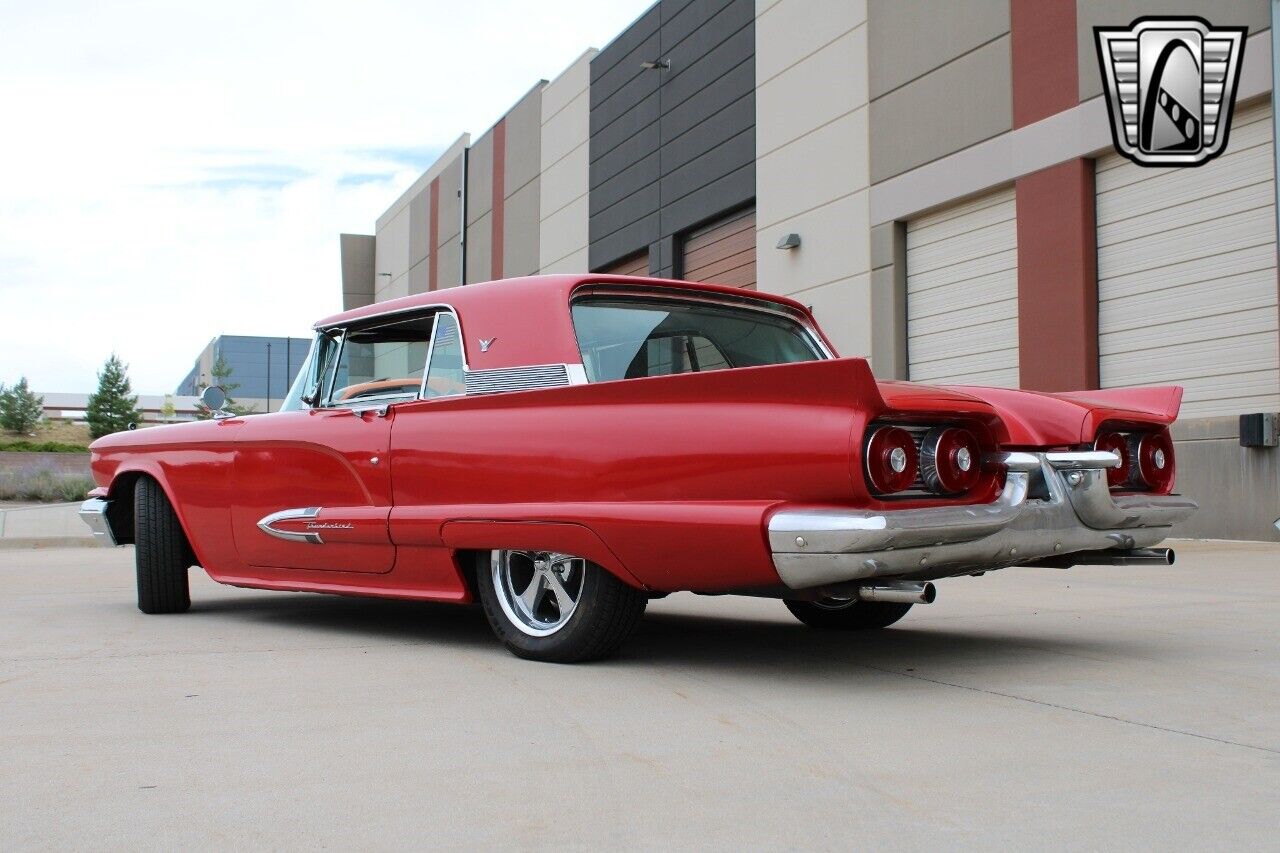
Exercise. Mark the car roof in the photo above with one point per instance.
(526, 318)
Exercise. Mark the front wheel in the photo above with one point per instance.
(850, 614)
(556, 607)
(161, 552)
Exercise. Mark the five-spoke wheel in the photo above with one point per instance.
(549, 606)
(538, 590)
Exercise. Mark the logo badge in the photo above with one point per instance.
(485, 343)
(1170, 88)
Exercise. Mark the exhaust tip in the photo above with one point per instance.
(930, 592)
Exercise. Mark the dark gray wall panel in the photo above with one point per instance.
(671, 149)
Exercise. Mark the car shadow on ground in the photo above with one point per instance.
(764, 647)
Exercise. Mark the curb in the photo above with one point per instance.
(47, 543)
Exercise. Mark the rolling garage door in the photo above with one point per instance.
(723, 252)
(637, 264)
(1187, 275)
(962, 293)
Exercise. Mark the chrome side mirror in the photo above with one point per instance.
(313, 396)
(213, 398)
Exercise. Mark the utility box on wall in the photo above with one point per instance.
(1261, 429)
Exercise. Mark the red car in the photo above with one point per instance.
(564, 448)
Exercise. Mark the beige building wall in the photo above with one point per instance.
(402, 240)
(565, 180)
(812, 170)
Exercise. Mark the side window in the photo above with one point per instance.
(381, 363)
(445, 376)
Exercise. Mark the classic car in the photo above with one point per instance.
(564, 448)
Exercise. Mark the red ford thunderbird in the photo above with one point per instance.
(564, 448)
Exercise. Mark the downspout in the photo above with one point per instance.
(462, 213)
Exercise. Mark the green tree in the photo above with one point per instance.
(221, 377)
(114, 405)
(169, 410)
(20, 409)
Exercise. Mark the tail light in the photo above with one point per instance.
(892, 459)
(1119, 445)
(949, 460)
(1146, 460)
(1155, 460)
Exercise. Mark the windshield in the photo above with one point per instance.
(624, 338)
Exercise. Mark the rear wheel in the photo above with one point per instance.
(556, 607)
(161, 552)
(847, 614)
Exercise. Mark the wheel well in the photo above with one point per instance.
(120, 511)
(470, 562)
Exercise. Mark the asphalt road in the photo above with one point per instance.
(1093, 708)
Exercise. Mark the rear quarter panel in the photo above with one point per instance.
(674, 474)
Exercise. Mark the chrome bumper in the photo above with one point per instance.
(820, 546)
(94, 514)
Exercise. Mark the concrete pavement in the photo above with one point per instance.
(1086, 709)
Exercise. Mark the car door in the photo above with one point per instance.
(312, 487)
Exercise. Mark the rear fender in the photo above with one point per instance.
(561, 537)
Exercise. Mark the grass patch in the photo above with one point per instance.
(43, 486)
(24, 445)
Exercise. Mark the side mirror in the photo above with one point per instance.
(313, 396)
(213, 398)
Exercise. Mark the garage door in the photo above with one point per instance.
(724, 251)
(1187, 275)
(962, 293)
(637, 264)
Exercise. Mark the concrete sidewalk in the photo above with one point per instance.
(43, 526)
(1095, 708)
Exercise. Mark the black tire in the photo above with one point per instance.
(161, 552)
(607, 613)
(847, 616)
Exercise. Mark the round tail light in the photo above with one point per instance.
(949, 460)
(1115, 443)
(1155, 460)
(892, 460)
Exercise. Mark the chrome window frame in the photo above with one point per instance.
(381, 402)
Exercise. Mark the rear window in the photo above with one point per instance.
(633, 338)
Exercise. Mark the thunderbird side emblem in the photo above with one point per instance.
(485, 343)
(1170, 88)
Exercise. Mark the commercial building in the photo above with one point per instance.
(155, 408)
(948, 173)
(263, 367)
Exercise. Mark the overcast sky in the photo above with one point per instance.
(171, 171)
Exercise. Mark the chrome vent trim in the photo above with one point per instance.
(505, 379)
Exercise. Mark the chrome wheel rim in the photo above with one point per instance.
(538, 590)
(833, 603)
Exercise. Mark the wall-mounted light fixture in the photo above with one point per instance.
(657, 65)
(789, 242)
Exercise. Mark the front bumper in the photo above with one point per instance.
(1075, 512)
(94, 513)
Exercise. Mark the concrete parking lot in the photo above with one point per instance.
(1091, 708)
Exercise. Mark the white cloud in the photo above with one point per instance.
(171, 172)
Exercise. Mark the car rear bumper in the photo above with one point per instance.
(94, 514)
(1075, 512)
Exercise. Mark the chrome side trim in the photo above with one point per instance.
(94, 513)
(577, 374)
(265, 525)
(824, 546)
(527, 378)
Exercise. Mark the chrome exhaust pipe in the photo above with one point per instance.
(1130, 557)
(1133, 557)
(900, 592)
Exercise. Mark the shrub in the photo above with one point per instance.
(43, 485)
(24, 446)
